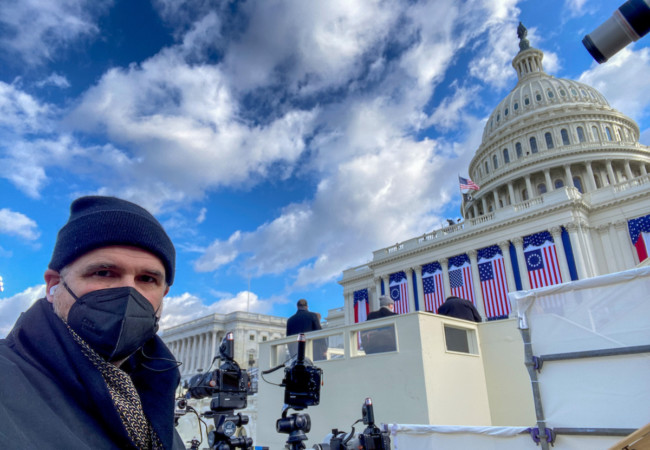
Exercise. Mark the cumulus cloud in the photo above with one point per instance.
(17, 224)
(622, 81)
(33, 30)
(11, 307)
(186, 307)
(55, 80)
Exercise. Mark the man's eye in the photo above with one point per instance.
(148, 279)
(103, 273)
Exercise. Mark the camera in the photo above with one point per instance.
(372, 437)
(302, 381)
(228, 385)
(630, 22)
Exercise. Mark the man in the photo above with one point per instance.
(386, 308)
(459, 308)
(302, 321)
(83, 367)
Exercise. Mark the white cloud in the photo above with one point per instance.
(21, 112)
(17, 224)
(54, 80)
(11, 307)
(622, 82)
(34, 30)
(201, 216)
(187, 307)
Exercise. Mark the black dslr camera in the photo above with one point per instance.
(302, 381)
(228, 385)
(372, 437)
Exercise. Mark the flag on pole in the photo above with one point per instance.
(361, 306)
(541, 260)
(640, 234)
(399, 292)
(467, 185)
(434, 292)
(460, 277)
(494, 286)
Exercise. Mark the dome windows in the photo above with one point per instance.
(498, 116)
(549, 93)
(495, 162)
(565, 137)
(538, 97)
(526, 101)
(574, 92)
(506, 156)
(487, 167)
(581, 134)
(562, 92)
(558, 183)
(608, 132)
(541, 188)
(518, 150)
(594, 133)
(533, 144)
(549, 141)
(505, 113)
(516, 106)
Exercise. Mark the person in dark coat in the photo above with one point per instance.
(459, 308)
(303, 321)
(83, 367)
(386, 306)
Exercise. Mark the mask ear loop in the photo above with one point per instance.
(176, 363)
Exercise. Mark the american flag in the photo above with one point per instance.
(640, 235)
(460, 277)
(399, 292)
(467, 185)
(494, 286)
(361, 306)
(541, 260)
(434, 292)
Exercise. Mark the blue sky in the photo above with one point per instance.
(279, 142)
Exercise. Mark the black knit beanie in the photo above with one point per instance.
(102, 221)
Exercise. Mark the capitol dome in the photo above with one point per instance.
(548, 133)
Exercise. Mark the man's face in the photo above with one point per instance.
(108, 267)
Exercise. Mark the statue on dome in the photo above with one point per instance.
(521, 34)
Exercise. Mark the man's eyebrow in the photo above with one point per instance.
(100, 266)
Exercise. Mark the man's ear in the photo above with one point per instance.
(52, 279)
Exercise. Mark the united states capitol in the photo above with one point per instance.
(564, 198)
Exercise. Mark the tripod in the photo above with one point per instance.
(228, 429)
(296, 426)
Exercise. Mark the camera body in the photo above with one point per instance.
(228, 386)
(302, 382)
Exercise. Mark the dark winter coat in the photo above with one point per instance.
(459, 308)
(381, 312)
(302, 321)
(52, 397)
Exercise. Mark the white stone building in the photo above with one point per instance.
(559, 170)
(196, 343)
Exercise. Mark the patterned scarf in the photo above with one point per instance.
(125, 398)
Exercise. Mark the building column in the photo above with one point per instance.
(644, 171)
(610, 172)
(521, 262)
(625, 244)
(556, 232)
(409, 283)
(191, 360)
(510, 277)
(529, 187)
(374, 302)
(476, 282)
(628, 170)
(474, 210)
(549, 182)
(612, 261)
(569, 176)
(419, 287)
(214, 343)
(445, 275)
(484, 203)
(592, 179)
(348, 310)
(386, 279)
(511, 192)
(181, 354)
(575, 235)
(495, 194)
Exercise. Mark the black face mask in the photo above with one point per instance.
(114, 322)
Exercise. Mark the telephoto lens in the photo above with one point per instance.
(630, 22)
